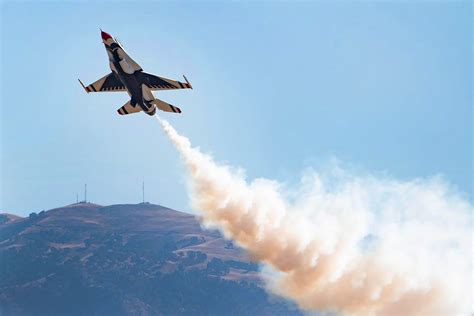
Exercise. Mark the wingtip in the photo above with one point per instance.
(187, 81)
(82, 85)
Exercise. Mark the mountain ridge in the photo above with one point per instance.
(126, 259)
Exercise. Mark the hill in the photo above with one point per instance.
(142, 259)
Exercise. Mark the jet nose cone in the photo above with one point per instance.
(105, 36)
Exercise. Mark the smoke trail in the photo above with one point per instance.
(356, 246)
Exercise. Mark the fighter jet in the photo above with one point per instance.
(128, 76)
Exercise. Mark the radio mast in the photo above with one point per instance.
(143, 192)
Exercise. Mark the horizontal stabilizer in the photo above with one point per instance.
(128, 108)
(164, 106)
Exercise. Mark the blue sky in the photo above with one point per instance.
(384, 87)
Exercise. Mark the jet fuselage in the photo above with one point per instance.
(130, 74)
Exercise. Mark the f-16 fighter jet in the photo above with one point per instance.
(128, 76)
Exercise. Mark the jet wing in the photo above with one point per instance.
(160, 83)
(108, 83)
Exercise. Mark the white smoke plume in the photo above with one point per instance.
(356, 245)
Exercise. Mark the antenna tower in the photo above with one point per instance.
(143, 191)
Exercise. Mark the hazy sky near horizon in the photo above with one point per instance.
(383, 87)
